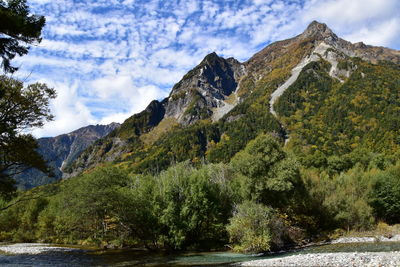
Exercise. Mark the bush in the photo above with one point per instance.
(255, 228)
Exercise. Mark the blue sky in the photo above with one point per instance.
(108, 59)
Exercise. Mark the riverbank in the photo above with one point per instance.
(34, 248)
(354, 259)
(369, 239)
(367, 253)
(364, 251)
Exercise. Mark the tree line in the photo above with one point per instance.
(263, 199)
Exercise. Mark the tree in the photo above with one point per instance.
(18, 28)
(385, 195)
(89, 207)
(193, 206)
(21, 108)
(265, 173)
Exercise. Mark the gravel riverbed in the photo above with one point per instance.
(354, 259)
(33, 248)
(364, 259)
(370, 239)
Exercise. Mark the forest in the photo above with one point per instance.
(264, 199)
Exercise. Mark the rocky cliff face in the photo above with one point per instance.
(321, 33)
(315, 34)
(204, 89)
(61, 150)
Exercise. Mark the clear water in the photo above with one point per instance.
(140, 258)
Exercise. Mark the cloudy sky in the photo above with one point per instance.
(108, 59)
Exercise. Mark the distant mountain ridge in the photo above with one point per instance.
(61, 150)
(221, 104)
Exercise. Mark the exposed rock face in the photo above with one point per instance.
(64, 149)
(61, 150)
(315, 34)
(204, 88)
(321, 32)
(318, 31)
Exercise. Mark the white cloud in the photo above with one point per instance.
(41, 1)
(119, 91)
(66, 30)
(345, 13)
(383, 34)
(374, 22)
(69, 111)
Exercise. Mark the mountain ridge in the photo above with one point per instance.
(219, 93)
(61, 150)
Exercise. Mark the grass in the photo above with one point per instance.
(164, 126)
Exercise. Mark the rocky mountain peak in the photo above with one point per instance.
(211, 59)
(204, 88)
(319, 31)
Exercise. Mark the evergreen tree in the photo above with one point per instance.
(18, 29)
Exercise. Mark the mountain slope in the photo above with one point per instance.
(60, 151)
(222, 104)
(202, 94)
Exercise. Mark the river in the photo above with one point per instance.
(47, 255)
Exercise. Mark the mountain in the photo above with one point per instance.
(316, 92)
(62, 150)
(305, 135)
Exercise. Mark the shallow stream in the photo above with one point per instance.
(89, 257)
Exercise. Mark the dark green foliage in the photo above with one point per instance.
(248, 123)
(266, 173)
(185, 207)
(87, 206)
(182, 207)
(7, 188)
(21, 108)
(347, 200)
(385, 195)
(180, 145)
(19, 28)
(194, 206)
(312, 85)
(345, 64)
(138, 214)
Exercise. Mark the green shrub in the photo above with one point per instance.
(385, 195)
(255, 228)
